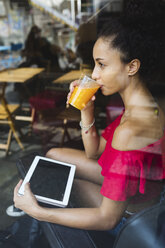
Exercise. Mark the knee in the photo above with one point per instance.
(52, 153)
(49, 153)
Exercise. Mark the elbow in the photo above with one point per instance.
(109, 225)
(103, 224)
(91, 156)
(108, 222)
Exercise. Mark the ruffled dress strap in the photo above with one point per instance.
(109, 130)
(126, 173)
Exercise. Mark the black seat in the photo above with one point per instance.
(146, 229)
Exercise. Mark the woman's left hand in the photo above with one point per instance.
(26, 202)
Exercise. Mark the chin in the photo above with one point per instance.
(106, 92)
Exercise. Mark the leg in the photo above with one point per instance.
(87, 169)
(86, 194)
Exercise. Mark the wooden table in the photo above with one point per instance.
(19, 75)
(71, 76)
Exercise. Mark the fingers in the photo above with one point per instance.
(17, 186)
(68, 97)
(27, 187)
(93, 98)
(73, 85)
(16, 191)
(71, 88)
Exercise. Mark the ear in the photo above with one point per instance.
(133, 67)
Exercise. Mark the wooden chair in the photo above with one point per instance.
(8, 117)
(60, 117)
(70, 117)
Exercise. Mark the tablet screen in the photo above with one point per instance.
(49, 179)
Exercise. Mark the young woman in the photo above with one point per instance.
(122, 171)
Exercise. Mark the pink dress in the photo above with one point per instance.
(131, 173)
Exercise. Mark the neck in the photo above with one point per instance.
(136, 95)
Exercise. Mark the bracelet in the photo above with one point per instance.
(86, 128)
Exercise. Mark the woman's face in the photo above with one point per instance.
(109, 71)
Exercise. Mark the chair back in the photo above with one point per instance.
(145, 229)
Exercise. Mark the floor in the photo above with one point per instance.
(9, 177)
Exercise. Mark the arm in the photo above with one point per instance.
(93, 143)
(102, 218)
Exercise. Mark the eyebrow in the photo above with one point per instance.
(99, 59)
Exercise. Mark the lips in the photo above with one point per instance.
(102, 88)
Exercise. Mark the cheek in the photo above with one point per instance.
(110, 78)
(122, 79)
(118, 75)
(113, 82)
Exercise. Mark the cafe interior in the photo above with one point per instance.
(44, 46)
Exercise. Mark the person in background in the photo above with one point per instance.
(85, 39)
(120, 172)
(39, 51)
(82, 53)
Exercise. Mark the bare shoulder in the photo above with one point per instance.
(136, 133)
(123, 135)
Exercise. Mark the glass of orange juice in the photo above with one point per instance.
(83, 92)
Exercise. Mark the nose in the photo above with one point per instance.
(95, 74)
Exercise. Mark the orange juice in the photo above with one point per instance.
(81, 96)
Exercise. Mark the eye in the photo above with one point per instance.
(101, 65)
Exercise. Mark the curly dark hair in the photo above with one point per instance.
(139, 33)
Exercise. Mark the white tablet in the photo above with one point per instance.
(50, 180)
